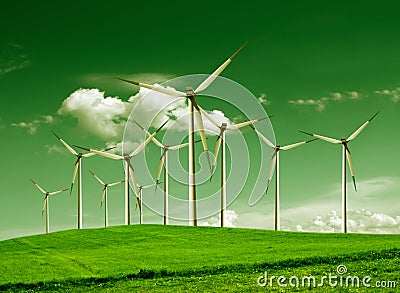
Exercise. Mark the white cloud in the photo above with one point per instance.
(12, 57)
(32, 126)
(101, 116)
(318, 104)
(359, 221)
(321, 103)
(337, 96)
(354, 95)
(263, 99)
(55, 149)
(105, 117)
(230, 220)
(393, 94)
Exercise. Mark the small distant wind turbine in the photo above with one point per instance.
(129, 170)
(345, 155)
(104, 196)
(221, 141)
(77, 169)
(46, 202)
(139, 198)
(190, 95)
(275, 164)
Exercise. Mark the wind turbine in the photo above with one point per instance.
(163, 163)
(220, 144)
(275, 164)
(190, 95)
(46, 202)
(345, 155)
(77, 170)
(129, 170)
(104, 196)
(139, 202)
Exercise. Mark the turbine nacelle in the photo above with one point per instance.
(190, 92)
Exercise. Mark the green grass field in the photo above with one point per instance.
(179, 259)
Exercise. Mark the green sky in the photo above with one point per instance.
(320, 67)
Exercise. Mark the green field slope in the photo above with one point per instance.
(176, 258)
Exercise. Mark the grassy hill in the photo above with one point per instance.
(176, 258)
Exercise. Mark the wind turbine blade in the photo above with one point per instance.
(291, 146)
(91, 154)
(147, 140)
(357, 132)
(160, 89)
(97, 178)
(348, 156)
(209, 118)
(44, 204)
(243, 124)
(81, 147)
(133, 177)
(107, 155)
(37, 185)
(266, 140)
(150, 185)
(268, 184)
(67, 146)
(177, 147)
(161, 165)
(138, 205)
(216, 151)
(328, 139)
(74, 174)
(203, 135)
(271, 168)
(159, 144)
(217, 72)
(103, 195)
(59, 191)
(116, 183)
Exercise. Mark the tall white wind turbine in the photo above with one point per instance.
(164, 165)
(129, 170)
(275, 165)
(190, 95)
(345, 155)
(77, 171)
(220, 144)
(139, 199)
(104, 196)
(46, 202)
